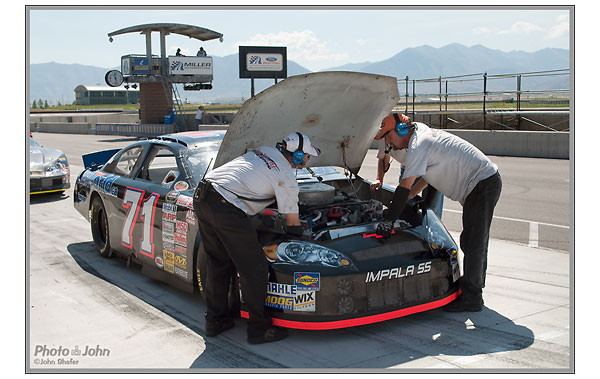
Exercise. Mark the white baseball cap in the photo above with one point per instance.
(292, 143)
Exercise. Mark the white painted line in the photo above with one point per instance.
(518, 220)
(533, 234)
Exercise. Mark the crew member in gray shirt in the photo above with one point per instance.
(461, 172)
(223, 201)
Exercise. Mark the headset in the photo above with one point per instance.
(401, 128)
(298, 155)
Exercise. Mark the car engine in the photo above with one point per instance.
(327, 212)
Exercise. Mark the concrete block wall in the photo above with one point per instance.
(473, 120)
(61, 127)
(535, 144)
(517, 143)
(552, 145)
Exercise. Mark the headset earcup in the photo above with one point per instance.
(402, 129)
(298, 157)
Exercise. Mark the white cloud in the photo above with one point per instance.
(302, 46)
(362, 42)
(521, 27)
(480, 30)
(561, 28)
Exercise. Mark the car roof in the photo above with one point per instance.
(192, 139)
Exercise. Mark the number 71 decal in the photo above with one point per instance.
(133, 201)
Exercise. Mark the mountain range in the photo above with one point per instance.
(56, 82)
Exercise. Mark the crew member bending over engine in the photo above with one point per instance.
(459, 171)
(222, 203)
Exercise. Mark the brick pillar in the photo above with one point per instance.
(154, 103)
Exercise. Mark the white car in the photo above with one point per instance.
(48, 169)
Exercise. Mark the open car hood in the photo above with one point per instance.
(341, 112)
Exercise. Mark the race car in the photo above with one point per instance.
(48, 169)
(340, 273)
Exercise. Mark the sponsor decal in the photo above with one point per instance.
(180, 272)
(169, 216)
(104, 183)
(307, 281)
(168, 246)
(168, 237)
(305, 301)
(180, 239)
(169, 208)
(169, 261)
(190, 217)
(398, 272)
(279, 302)
(181, 251)
(290, 297)
(181, 186)
(159, 262)
(454, 263)
(182, 226)
(168, 227)
(172, 197)
(180, 262)
(186, 201)
(281, 289)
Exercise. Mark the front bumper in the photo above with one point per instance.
(47, 184)
(341, 322)
(361, 298)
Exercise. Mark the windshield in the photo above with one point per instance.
(316, 171)
(200, 157)
(32, 143)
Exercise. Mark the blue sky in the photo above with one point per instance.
(316, 38)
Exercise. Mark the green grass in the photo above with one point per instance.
(192, 108)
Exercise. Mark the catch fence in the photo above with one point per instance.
(520, 95)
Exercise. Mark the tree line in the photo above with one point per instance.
(44, 104)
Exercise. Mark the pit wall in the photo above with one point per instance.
(533, 144)
(517, 143)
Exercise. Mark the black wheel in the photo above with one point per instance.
(100, 231)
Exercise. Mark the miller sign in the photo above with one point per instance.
(190, 66)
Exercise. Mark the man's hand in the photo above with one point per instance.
(376, 185)
(404, 118)
(384, 229)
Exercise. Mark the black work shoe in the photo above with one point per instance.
(464, 305)
(271, 335)
(214, 328)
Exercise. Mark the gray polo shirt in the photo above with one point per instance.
(449, 163)
(256, 179)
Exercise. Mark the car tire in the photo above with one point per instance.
(100, 230)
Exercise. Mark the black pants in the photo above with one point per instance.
(230, 242)
(478, 210)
